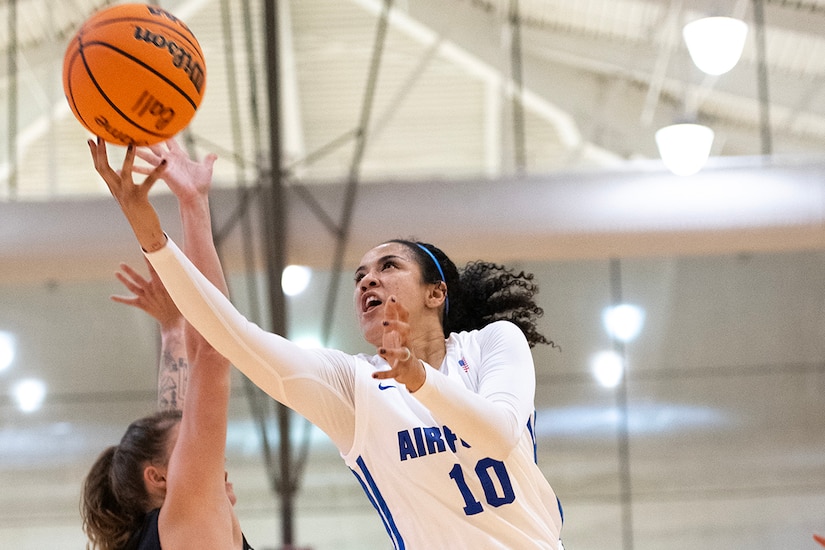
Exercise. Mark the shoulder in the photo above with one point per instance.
(499, 338)
(495, 331)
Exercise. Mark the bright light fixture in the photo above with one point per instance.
(29, 394)
(607, 367)
(624, 321)
(715, 43)
(7, 349)
(295, 279)
(684, 147)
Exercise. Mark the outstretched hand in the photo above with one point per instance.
(148, 295)
(186, 178)
(133, 198)
(404, 366)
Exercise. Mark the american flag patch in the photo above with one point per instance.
(464, 365)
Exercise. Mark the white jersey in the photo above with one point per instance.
(450, 466)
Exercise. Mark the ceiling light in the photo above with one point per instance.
(607, 368)
(295, 279)
(684, 147)
(29, 394)
(623, 322)
(715, 43)
(7, 349)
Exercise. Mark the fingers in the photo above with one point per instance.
(395, 348)
(99, 156)
(127, 300)
(173, 145)
(148, 295)
(405, 368)
(396, 326)
(209, 161)
(395, 356)
(128, 161)
(393, 336)
(126, 268)
(92, 151)
(157, 151)
(150, 154)
(383, 374)
(153, 176)
(132, 280)
(133, 287)
(395, 311)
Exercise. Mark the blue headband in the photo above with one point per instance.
(440, 272)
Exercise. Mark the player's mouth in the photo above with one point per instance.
(370, 302)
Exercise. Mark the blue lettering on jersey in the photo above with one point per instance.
(434, 442)
(423, 441)
(405, 445)
(450, 437)
(419, 441)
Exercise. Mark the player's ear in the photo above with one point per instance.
(155, 478)
(437, 294)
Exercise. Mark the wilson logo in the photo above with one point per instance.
(181, 58)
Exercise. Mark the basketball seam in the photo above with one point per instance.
(105, 97)
(70, 94)
(139, 62)
(193, 43)
(111, 89)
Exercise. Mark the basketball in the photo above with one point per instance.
(134, 74)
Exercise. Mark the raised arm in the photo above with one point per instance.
(150, 296)
(132, 198)
(197, 511)
(495, 417)
(200, 457)
(190, 181)
(317, 385)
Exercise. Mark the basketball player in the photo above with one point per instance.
(437, 426)
(165, 483)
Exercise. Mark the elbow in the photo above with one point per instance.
(504, 448)
(498, 451)
(499, 444)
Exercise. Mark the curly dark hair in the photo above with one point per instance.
(480, 293)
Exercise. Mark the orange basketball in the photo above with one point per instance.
(134, 74)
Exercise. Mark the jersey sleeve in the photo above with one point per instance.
(494, 418)
(318, 384)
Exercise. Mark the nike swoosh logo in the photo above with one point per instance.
(383, 387)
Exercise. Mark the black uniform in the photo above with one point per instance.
(148, 538)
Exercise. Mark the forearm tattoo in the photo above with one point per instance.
(172, 378)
